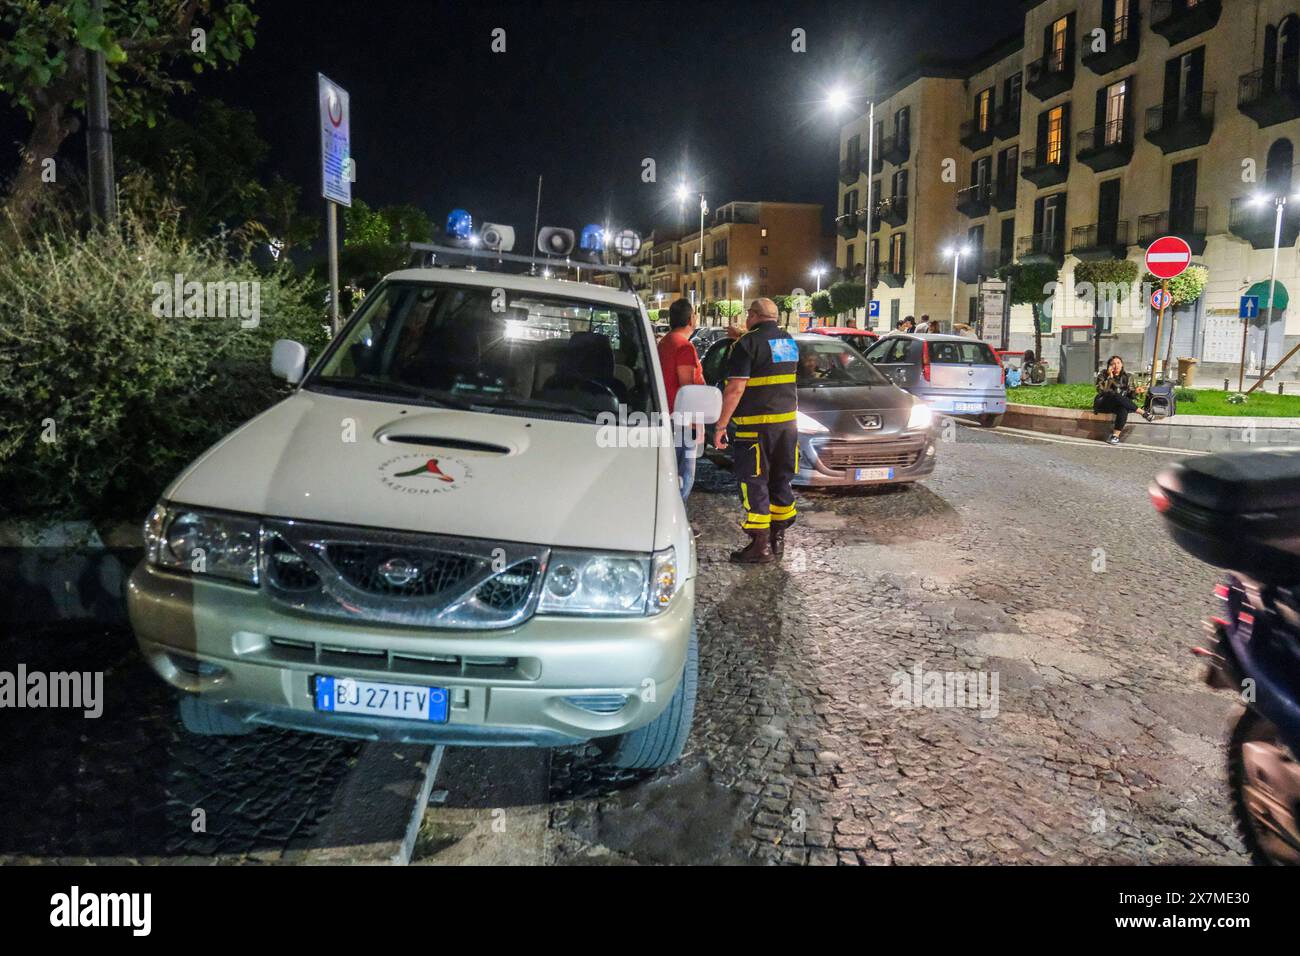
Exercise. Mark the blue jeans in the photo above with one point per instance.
(686, 467)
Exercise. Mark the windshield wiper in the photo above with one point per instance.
(380, 387)
(505, 401)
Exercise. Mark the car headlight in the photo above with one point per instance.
(187, 539)
(584, 582)
(808, 425)
(921, 416)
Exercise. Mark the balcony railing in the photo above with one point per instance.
(1052, 73)
(1100, 240)
(893, 210)
(1046, 165)
(975, 200)
(1182, 125)
(977, 133)
(896, 148)
(846, 226)
(1041, 246)
(1006, 119)
(1256, 221)
(1106, 146)
(893, 275)
(850, 169)
(1123, 38)
(1261, 98)
(984, 263)
(1177, 20)
(1188, 224)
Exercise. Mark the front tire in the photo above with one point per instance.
(661, 741)
(1263, 776)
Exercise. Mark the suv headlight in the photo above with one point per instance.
(201, 542)
(595, 583)
(921, 416)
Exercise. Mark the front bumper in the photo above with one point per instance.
(255, 661)
(820, 470)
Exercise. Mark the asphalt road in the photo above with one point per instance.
(1038, 563)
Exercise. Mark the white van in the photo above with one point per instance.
(434, 538)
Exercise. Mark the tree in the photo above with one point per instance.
(1032, 284)
(847, 296)
(728, 308)
(821, 304)
(43, 68)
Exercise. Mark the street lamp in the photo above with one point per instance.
(682, 193)
(956, 252)
(1280, 201)
(744, 284)
(819, 271)
(838, 99)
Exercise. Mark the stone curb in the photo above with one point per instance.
(1178, 433)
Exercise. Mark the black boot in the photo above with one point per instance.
(777, 539)
(758, 551)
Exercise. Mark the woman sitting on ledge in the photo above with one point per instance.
(1115, 392)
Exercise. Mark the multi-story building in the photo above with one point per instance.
(752, 249)
(1104, 125)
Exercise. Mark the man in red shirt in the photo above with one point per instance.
(681, 366)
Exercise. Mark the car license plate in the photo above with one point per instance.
(873, 474)
(970, 406)
(344, 695)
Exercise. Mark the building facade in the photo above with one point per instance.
(1104, 125)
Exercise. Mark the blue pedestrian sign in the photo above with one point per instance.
(1249, 307)
(874, 309)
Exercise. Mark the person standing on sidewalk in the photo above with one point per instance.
(1115, 394)
(761, 395)
(681, 366)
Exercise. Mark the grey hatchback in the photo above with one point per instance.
(855, 427)
(951, 373)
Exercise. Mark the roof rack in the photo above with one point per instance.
(426, 254)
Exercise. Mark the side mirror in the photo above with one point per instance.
(288, 360)
(701, 404)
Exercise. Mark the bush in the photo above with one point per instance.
(103, 401)
(1184, 395)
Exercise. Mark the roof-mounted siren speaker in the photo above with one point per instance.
(555, 241)
(591, 244)
(460, 228)
(496, 237)
(626, 244)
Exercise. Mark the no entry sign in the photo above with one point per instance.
(1168, 256)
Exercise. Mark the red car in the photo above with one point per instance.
(860, 339)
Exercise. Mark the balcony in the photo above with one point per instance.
(1004, 193)
(1187, 224)
(974, 201)
(876, 166)
(1006, 119)
(892, 210)
(1182, 125)
(1255, 223)
(1106, 146)
(1052, 73)
(1260, 98)
(1177, 21)
(1106, 240)
(893, 276)
(982, 264)
(976, 135)
(862, 220)
(1046, 166)
(850, 170)
(1123, 37)
(895, 149)
(1042, 247)
(846, 226)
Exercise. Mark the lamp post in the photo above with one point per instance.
(819, 271)
(956, 252)
(838, 99)
(744, 284)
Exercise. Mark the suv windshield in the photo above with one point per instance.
(829, 362)
(492, 349)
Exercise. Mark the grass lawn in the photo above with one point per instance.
(1209, 401)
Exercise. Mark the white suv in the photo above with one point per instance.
(439, 536)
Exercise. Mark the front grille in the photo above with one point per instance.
(422, 580)
(839, 454)
(288, 650)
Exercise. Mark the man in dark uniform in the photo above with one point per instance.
(760, 400)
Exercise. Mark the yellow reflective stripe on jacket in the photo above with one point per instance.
(771, 380)
(746, 434)
(764, 419)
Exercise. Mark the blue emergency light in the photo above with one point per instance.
(593, 239)
(460, 225)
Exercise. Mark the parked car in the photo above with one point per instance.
(705, 336)
(472, 566)
(951, 373)
(860, 339)
(855, 427)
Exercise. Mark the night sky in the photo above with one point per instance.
(584, 92)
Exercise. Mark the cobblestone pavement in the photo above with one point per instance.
(1106, 747)
(124, 787)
